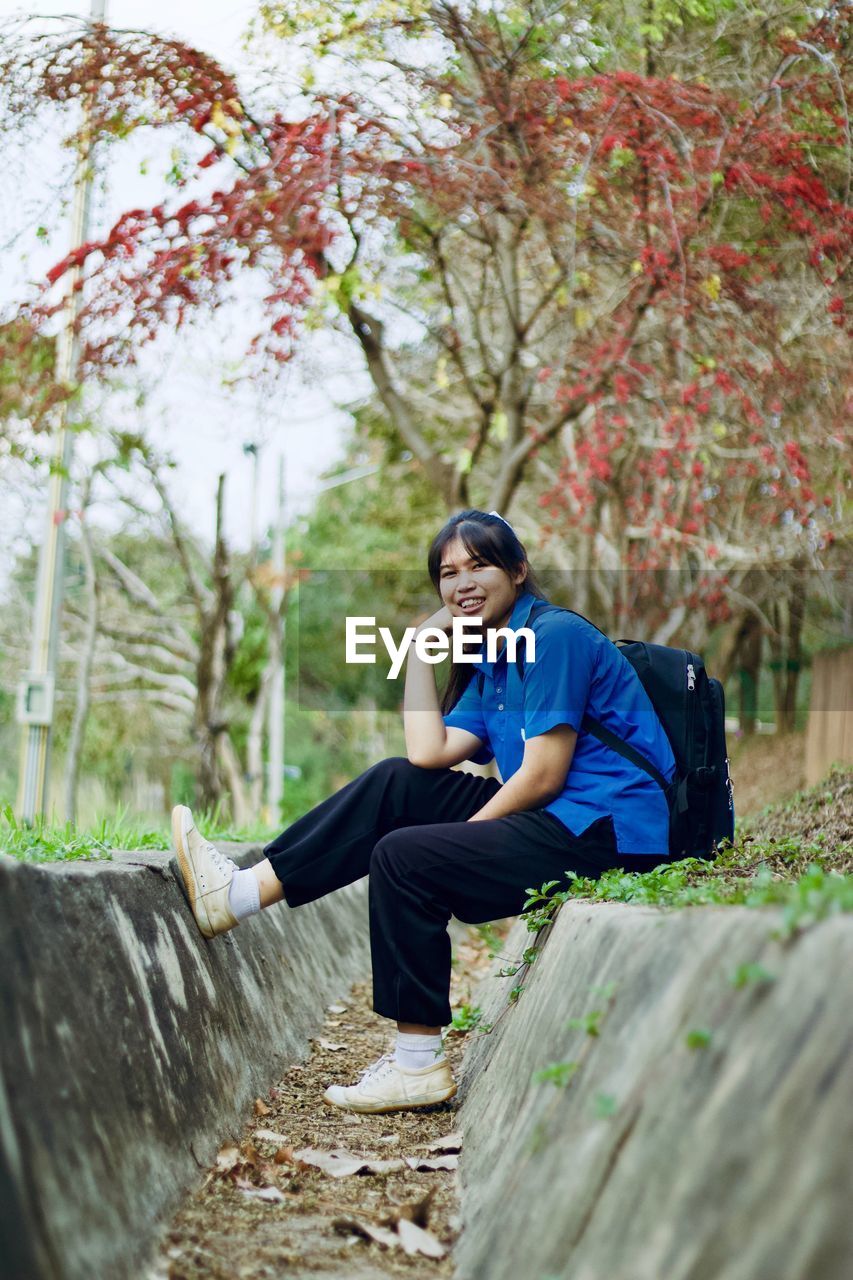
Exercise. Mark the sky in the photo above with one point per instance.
(202, 425)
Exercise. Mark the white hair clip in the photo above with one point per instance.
(500, 517)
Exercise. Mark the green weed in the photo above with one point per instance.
(607, 992)
(812, 896)
(490, 938)
(556, 1073)
(466, 1018)
(590, 1022)
(745, 974)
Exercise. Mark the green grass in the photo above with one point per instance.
(46, 842)
(797, 856)
(810, 896)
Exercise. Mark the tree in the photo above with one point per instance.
(208, 647)
(27, 387)
(86, 660)
(140, 699)
(548, 233)
(602, 273)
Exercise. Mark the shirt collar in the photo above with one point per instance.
(518, 618)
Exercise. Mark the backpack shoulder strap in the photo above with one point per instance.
(539, 607)
(624, 749)
(544, 606)
(588, 724)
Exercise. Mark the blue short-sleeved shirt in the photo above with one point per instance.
(577, 671)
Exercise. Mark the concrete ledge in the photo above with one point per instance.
(130, 1045)
(728, 1162)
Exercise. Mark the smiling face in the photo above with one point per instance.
(470, 587)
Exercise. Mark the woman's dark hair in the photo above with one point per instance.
(488, 538)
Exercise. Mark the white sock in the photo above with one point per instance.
(244, 894)
(418, 1051)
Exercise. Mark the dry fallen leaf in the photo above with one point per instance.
(426, 1164)
(342, 1164)
(409, 1237)
(227, 1159)
(329, 1046)
(249, 1153)
(270, 1194)
(450, 1142)
(415, 1240)
(367, 1230)
(284, 1153)
(270, 1135)
(416, 1211)
(260, 1108)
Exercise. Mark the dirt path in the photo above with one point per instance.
(265, 1211)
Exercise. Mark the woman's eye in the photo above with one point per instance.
(475, 564)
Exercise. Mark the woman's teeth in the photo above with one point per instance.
(470, 605)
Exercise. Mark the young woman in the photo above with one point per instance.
(436, 841)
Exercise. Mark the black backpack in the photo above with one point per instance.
(691, 708)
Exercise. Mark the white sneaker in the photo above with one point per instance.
(206, 874)
(386, 1086)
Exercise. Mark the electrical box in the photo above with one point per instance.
(35, 700)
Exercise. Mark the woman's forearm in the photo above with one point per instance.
(423, 725)
(522, 791)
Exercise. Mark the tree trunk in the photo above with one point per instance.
(274, 794)
(213, 663)
(236, 784)
(209, 793)
(741, 652)
(786, 645)
(84, 667)
(255, 744)
(749, 672)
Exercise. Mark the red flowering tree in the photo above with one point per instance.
(617, 289)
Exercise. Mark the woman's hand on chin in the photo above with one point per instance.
(442, 619)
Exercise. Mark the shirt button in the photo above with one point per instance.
(500, 706)
(499, 689)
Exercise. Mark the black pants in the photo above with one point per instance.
(407, 827)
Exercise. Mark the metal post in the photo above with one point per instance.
(275, 788)
(36, 691)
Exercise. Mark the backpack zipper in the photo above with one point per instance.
(689, 708)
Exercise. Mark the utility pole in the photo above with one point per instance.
(36, 690)
(275, 724)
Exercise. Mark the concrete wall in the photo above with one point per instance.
(829, 734)
(729, 1162)
(130, 1046)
